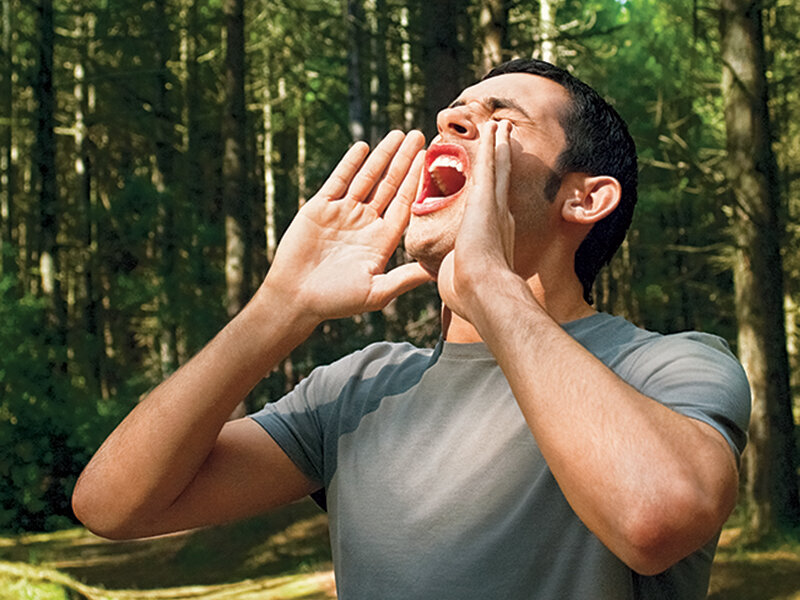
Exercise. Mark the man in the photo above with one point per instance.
(541, 450)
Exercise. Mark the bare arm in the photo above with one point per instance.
(174, 463)
(653, 485)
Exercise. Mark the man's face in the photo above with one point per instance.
(532, 105)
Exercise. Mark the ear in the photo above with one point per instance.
(589, 198)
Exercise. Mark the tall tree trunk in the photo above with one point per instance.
(48, 190)
(407, 69)
(445, 57)
(493, 22)
(7, 262)
(547, 30)
(302, 152)
(270, 234)
(163, 176)
(354, 22)
(771, 474)
(193, 194)
(92, 311)
(233, 167)
(379, 71)
(234, 172)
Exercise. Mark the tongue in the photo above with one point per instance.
(448, 180)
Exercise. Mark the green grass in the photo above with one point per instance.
(282, 556)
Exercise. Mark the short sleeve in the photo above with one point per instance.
(295, 423)
(696, 375)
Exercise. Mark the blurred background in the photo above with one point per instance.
(153, 152)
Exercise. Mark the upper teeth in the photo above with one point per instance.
(444, 160)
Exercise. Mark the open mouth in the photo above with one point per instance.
(444, 177)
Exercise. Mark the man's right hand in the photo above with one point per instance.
(331, 261)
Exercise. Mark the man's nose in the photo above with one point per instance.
(456, 121)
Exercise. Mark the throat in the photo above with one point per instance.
(448, 180)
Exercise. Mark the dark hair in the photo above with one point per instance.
(598, 143)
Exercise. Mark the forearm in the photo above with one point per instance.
(646, 480)
(156, 452)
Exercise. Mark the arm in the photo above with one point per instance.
(174, 462)
(651, 484)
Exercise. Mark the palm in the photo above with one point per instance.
(332, 257)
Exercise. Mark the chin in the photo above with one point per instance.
(427, 246)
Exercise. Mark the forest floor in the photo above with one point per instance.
(280, 556)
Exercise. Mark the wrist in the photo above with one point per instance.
(509, 299)
(281, 314)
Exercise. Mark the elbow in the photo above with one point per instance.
(98, 513)
(661, 535)
(648, 547)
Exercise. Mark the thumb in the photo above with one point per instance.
(396, 282)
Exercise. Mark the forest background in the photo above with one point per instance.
(152, 152)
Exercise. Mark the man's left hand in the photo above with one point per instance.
(485, 242)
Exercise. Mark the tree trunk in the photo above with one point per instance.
(7, 262)
(163, 177)
(547, 30)
(407, 68)
(302, 151)
(233, 166)
(771, 475)
(48, 190)
(354, 22)
(270, 234)
(92, 311)
(444, 56)
(193, 192)
(379, 79)
(493, 22)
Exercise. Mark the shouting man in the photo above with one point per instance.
(540, 450)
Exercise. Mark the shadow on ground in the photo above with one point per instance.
(290, 540)
(739, 574)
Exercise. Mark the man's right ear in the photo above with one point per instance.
(589, 198)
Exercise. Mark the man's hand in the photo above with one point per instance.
(331, 261)
(485, 242)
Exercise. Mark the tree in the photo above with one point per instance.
(771, 474)
(48, 189)
(357, 36)
(7, 266)
(234, 173)
(445, 59)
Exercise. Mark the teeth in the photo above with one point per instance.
(446, 161)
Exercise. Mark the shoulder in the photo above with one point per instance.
(636, 352)
(378, 362)
(692, 355)
(694, 374)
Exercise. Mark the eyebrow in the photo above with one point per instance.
(494, 103)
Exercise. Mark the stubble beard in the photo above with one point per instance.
(431, 237)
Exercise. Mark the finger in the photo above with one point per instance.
(372, 170)
(396, 282)
(399, 210)
(484, 171)
(502, 164)
(336, 185)
(398, 171)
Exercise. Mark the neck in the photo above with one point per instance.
(563, 303)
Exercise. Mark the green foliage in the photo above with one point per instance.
(142, 235)
(32, 438)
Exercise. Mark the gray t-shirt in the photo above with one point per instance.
(436, 487)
